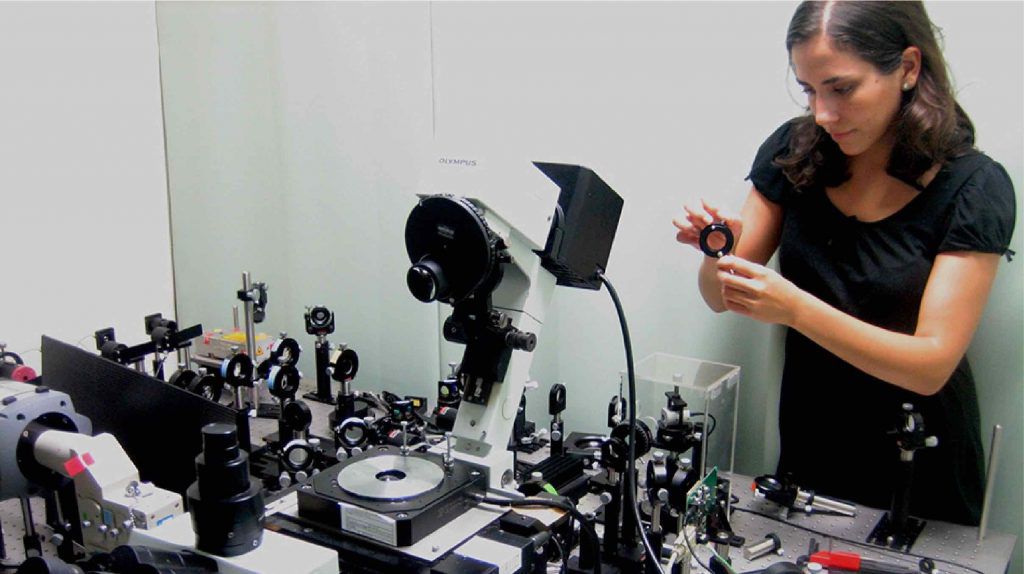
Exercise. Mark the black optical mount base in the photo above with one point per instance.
(885, 534)
(313, 396)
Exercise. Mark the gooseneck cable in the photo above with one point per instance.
(631, 471)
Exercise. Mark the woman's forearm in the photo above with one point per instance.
(921, 364)
(709, 285)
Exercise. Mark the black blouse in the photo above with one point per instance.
(834, 418)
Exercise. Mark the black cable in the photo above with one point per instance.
(654, 557)
(851, 542)
(686, 539)
(585, 526)
(561, 553)
(381, 403)
(714, 421)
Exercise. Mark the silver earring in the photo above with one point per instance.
(907, 86)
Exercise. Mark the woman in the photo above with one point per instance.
(890, 226)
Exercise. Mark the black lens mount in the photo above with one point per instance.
(727, 237)
(452, 250)
(353, 433)
(285, 351)
(319, 320)
(283, 381)
(346, 366)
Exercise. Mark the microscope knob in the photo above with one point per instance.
(521, 340)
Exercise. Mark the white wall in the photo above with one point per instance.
(293, 138)
(294, 132)
(83, 192)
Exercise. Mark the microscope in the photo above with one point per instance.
(497, 271)
(495, 260)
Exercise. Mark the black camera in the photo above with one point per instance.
(319, 321)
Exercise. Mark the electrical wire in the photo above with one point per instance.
(561, 553)
(585, 526)
(714, 421)
(79, 343)
(689, 547)
(849, 541)
(654, 557)
(725, 563)
(23, 353)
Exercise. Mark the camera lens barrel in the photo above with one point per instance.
(227, 507)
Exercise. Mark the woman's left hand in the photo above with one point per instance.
(758, 292)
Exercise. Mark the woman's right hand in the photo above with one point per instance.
(697, 218)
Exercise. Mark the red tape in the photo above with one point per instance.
(74, 466)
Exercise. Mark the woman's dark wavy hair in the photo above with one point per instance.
(930, 126)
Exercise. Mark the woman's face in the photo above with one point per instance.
(848, 96)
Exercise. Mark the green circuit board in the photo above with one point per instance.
(702, 496)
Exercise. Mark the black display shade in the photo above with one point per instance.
(583, 228)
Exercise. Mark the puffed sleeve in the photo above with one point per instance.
(983, 214)
(767, 177)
